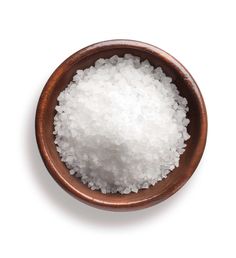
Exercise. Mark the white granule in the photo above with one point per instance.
(121, 125)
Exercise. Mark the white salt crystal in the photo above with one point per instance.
(121, 125)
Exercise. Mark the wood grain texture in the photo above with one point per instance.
(197, 128)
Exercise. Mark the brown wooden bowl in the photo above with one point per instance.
(197, 128)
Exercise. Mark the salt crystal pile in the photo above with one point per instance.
(121, 125)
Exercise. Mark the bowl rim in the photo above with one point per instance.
(82, 53)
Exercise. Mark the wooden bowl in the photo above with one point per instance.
(197, 128)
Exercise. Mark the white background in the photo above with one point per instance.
(38, 219)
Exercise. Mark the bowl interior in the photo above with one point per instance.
(188, 161)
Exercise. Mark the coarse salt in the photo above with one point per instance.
(121, 125)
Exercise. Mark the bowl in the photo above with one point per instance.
(189, 159)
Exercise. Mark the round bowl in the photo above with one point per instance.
(197, 128)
